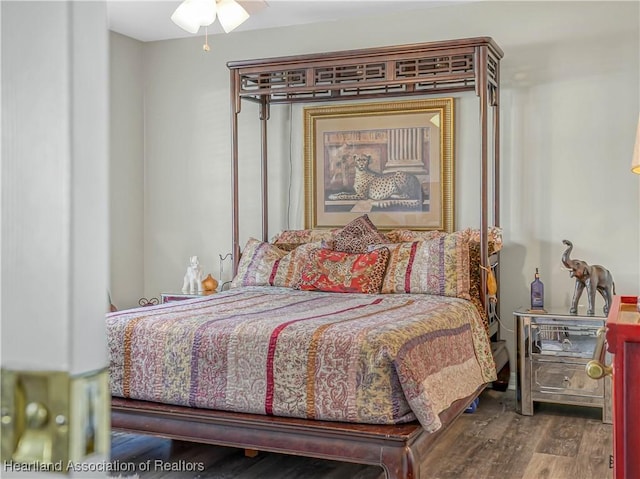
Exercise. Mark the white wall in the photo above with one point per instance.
(126, 170)
(570, 100)
(54, 186)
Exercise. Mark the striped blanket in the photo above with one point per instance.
(361, 358)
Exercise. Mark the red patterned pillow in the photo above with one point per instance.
(357, 236)
(340, 272)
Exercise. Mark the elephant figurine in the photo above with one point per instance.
(593, 277)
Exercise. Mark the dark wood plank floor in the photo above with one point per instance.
(557, 442)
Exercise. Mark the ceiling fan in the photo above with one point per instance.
(193, 14)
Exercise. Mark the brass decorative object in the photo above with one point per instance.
(209, 284)
(596, 369)
(52, 419)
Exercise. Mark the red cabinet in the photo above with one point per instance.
(623, 340)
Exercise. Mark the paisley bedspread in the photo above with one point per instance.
(378, 359)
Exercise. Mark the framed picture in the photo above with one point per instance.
(392, 161)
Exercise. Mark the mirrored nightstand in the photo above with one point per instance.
(553, 349)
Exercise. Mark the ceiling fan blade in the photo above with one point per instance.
(253, 6)
(231, 14)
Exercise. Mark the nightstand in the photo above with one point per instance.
(553, 349)
(170, 297)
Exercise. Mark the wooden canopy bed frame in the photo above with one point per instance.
(397, 71)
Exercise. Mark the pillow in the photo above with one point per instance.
(356, 236)
(288, 271)
(341, 272)
(474, 280)
(494, 245)
(289, 240)
(439, 266)
(407, 236)
(473, 235)
(264, 264)
(494, 236)
(256, 263)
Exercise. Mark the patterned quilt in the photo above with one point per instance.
(362, 358)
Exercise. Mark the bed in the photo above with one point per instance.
(293, 365)
(310, 354)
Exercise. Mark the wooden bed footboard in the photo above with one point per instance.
(398, 449)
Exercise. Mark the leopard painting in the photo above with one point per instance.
(389, 189)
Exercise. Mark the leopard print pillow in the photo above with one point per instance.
(357, 236)
(340, 272)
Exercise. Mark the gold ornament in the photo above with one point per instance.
(209, 284)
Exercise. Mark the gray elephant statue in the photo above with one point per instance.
(593, 277)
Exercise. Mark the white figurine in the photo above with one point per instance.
(193, 279)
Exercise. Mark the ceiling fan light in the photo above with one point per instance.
(231, 14)
(206, 11)
(185, 17)
(192, 14)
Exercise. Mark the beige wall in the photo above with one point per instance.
(126, 170)
(570, 101)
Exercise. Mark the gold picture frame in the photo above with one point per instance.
(391, 144)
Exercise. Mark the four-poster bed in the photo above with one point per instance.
(398, 71)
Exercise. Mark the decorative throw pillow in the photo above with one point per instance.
(407, 236)
(474, 280)
(256, 263)
(289, 240)
(473, 237)
(340, 272)
(287, 271)
(438, 266)
(494, 236)
(356, 236)
(264, 264)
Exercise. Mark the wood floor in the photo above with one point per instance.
(557, 442)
